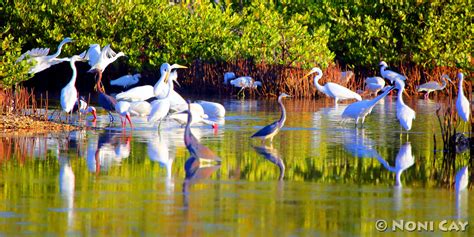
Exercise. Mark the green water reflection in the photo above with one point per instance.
(335, 179)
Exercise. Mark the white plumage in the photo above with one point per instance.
(374, 84)
(388, 74)
(405, 114)
(462, 179)
(462, 103)
(212, 109)
(126, 81)
(69, 92)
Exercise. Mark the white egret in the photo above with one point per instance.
(374, 84)
(212, 109)
(388, 74)
(269, 131)
(403, 161)
(462, 103)
(126, 81)
(405, 114)
(69, 92)
(360, 109)
(168, 75)
(461, 180)
(41, 58)
(333, 90)
(139, 93)
(433, 86)
(92, 54)
(107, 56)
(161, 107)
(241, 82)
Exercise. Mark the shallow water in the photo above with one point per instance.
(335, 178)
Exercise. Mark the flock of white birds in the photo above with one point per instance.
(166, 102)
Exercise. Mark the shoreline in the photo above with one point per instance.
(11, 124)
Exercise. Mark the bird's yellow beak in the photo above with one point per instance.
(167, 75)
(308, 74)
(177, 66)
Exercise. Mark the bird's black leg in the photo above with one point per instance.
(111, 117)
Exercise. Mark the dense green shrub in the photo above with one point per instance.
(152, 33)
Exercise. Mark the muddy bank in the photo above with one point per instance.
(21, 124)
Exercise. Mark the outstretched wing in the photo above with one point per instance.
(37, 52)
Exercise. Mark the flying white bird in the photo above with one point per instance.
(390, 75)
(332, 90)
(126, 81)
(106, 57)
(41, 58)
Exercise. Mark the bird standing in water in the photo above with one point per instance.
(269, 131)
(194, 147)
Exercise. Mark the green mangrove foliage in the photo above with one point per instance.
(152, 33)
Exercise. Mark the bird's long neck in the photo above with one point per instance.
(445, 83)
(60, 46)
(400, 94)
(379, 97)
(460, 91)
(283, 113)
(170, 88)
(74, 73)
(382, 70)
(317, 85)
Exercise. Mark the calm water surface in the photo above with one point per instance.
(320, 176)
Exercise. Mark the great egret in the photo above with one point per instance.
(168, 75)
(140, 108)
(269, 131)
(92, 54)
(106, 57)
(126, 81)
(462, 179)
(139, 93)
(212, 109)
(374, 84)
(462, 103)
(405, 114)
(403, 161)
(433, 86)
(195, 148)
(69, 92)
(332, 90)
(161, 107)
(122, 108)
(388, 74)
(360, 109)
(42, 59)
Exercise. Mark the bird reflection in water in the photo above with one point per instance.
(460, 185)
(158, 151)
(66, 188)
(196, 170)
(271, 154)
(111, 148)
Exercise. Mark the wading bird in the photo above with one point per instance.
(388, 74)
(360, 109)
(122, 108)
(160, 107)
(433, 86)
(331, 89)
(107, 102)
(126, 81)
(69, 92)
(198, 116)
(462, 179)
(269, 131)
(82, 107)
(212, 109)
(195, 148)
(374, 84)
(241, 82)
(462, 104)
(405, 114)
(41, 58)
(106, 57)
(271, 154)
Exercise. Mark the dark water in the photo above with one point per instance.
(334, 178)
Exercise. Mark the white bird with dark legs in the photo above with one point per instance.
(269, 131)
(388, 74)
(461, 180)
(360, 109)
(126, 81)
(332, 90)
(462, 103)
(241, 82)
(405, 114)
(433, 86)
(106, 57)
(41, 58)
(69, 94)
(374, 84)
(403, 161)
